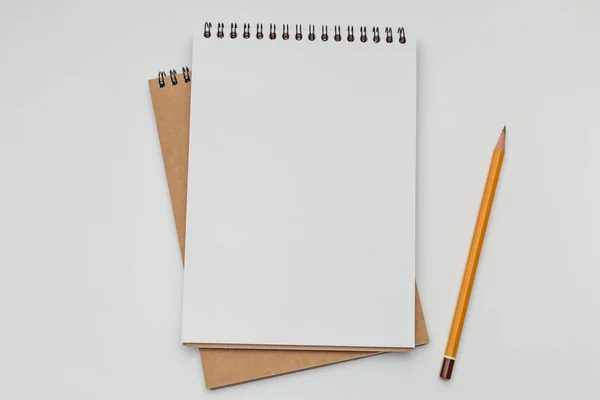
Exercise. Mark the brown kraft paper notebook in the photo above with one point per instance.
(229, 365)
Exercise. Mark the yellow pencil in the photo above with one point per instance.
(473, 259)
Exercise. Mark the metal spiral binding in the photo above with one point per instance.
(402, 35)
(285, 35)
(173, 75)
(388, 35)
(187, 78)
(376, 37)
(363, 34)
(324, 35)
(207, 27)
(286, 32)
(311, 32)
(337, 34)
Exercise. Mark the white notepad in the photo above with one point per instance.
(301, 193)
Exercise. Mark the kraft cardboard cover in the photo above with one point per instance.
(230, 364)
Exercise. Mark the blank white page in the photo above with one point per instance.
(301, 193)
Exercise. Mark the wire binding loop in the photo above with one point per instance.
(259, 31)
(324, 35)
(286, 32)
(173, 74)
(233, 32)
(363, 34)
(402, 35)
(220, 28)
(388, 35)
(337, 35)
(161, 79)
(186, 75)
(376, 37)
(207, 26)
(246, 34)
(350, 33)
(272, 31)
(311, 32)
(298, 32)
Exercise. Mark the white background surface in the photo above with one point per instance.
(301, 194)
(90, 274)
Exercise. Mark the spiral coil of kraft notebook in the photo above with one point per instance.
(173, 77)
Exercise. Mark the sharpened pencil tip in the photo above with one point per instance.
(501, 140)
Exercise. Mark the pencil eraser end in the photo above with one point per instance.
(447, 367)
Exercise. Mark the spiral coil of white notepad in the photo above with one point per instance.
(285, 33)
